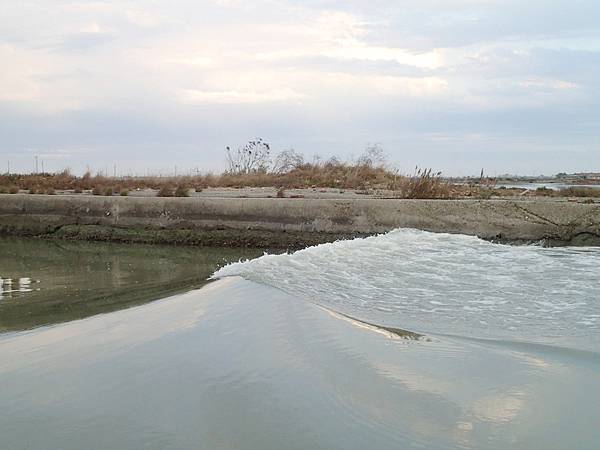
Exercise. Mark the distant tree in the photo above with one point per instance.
(254, 157)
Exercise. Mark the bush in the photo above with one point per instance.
(50, 191)
(13, 190)
(426, 184)
(544, 191)
(96, 190)
(165, 191)
(124, 192)
(3, 190)
(182, 191)
(580, 192)
(108, 191)
(254, 157)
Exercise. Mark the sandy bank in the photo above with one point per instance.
(291, 222)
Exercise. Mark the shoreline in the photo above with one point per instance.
(292, 222)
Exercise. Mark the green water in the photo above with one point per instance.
(44, 282)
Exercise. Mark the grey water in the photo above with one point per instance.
(269, 355)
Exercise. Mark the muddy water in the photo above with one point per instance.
(43, 282)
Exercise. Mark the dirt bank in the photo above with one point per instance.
(291, 222)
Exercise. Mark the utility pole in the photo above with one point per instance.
(115, 171)
(8, 171)
(43, 166)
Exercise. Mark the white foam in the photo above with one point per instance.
(445, 283)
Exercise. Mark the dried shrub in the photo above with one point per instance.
(579, 192)
(182, 191)
(166, 191)
(254, 157)
(425, 183)
(544, 192)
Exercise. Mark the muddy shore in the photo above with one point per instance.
(291, 222)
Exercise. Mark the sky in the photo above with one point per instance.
(159, 86)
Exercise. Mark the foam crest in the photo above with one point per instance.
(446, 283)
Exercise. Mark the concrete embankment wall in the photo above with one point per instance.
(272, 222)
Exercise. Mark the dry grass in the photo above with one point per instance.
(362, 175)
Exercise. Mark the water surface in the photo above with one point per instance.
(47, 281)
(240, 365)
(509, 356)
(554, 186)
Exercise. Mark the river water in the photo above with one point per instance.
(49, 281)
(444, 283)
(300, 351)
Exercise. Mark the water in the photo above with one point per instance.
(45, 282)
(450, 284)
(240, 365)
(272, 360)
(553, 186)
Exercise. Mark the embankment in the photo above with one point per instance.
(292, 223)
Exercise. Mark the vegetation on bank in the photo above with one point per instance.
(253, 166)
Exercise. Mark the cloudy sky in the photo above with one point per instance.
(457, 85)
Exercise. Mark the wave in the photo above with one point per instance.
(446, 283)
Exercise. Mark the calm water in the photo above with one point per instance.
(54, 281)
(263, 359)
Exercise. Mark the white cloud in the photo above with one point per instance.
(549, 84)
(362, 66)
(237, 97)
